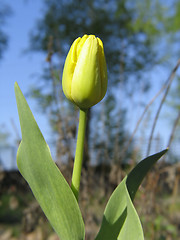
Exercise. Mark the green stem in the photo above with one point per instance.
(79, 153)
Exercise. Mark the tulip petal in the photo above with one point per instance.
(103, 69)
(86, 82)
(80, 44)
(84, 78)
(69, 67)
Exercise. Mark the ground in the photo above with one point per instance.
(157, 203)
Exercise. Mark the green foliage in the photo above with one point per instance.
(136, 176)
(132, 228)
(120, 220)
(55, 197)
(46, 181)
(118, 215)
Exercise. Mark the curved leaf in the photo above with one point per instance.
(46, 181)
(114, 214)
(120, 217)
(136, 176)
(132, 228)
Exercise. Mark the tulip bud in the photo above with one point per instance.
(84, 78)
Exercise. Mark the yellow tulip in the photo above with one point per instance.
(84, 78)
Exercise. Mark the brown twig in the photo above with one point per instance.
(173, 129)
(142, 116)
(172, 132)
(170, 80)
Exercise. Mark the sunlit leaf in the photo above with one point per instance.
(120, 220)
(136, 176)
(46, 181)
(132, 229)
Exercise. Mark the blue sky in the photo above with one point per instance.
(17, 65)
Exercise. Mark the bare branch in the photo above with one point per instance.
(142, 116)
(173, 129)
(170, 80)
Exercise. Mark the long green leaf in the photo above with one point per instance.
(46, 181)
(136, 176)
(120, 214)
(132, 228)
(120, 219)
(114, 215)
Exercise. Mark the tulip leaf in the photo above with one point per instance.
(132, 228)
(120, 220)
(45, 179)
(114, 215)
(137, 174)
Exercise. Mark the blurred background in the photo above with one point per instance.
(138, 117)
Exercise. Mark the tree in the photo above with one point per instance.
(127, 45)
(129, 34)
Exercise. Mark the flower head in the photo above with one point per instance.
(84, 78)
